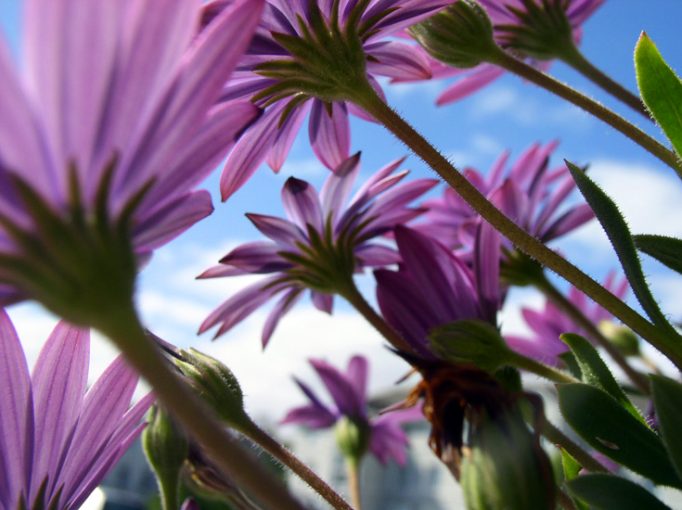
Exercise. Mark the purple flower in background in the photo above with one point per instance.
(348, 390)
(362, 28)
(507, 17)
(550, 323)
(530, 192)
(114, 119)
(58, 440)
(434, 287)
(324, 240)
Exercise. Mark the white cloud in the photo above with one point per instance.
(304, 168)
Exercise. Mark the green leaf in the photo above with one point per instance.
(668, 404)
(608, 492)
(570, 466)
(660, 88)
(595, 372)
(610, 429)
(667, 250)
(619, 234)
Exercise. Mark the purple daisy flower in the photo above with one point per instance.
(114, 119)
(550, 323)
(58, 440)
(366, 25)
(530, 192)
(348, 390)
(324, 240)
(507, 17)
(434, 287)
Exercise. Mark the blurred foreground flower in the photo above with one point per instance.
(356, 432)
(535, 30)
(103, 139)
(325, 239)
(57, 440)
(306, 52)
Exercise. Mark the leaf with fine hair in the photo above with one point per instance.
(594, 371)
(667, 250)
(601, 421)
(618, 233)
(609, 492)
(667, 397)
(660, 88)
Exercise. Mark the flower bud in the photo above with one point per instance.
(520, 270)
(352, 436)
(470, 341)
(166, 449)
(217, 385)
(622, 337)
(505, 468)
(460, 35)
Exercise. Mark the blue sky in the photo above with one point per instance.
(510, 114)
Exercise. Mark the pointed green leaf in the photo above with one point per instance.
(660, 88)
(610, 429)
(619, 234)
(608, 492)
(668, 404)
(667, 250)
(571, 467)
(595, 372)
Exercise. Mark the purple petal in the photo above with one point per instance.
(59, 381)
(397, 60)
(487, 266)
(250, 151)
(569, 221)
(479, 78)
(285, 137)
(329, 133)
(281, 308)
(357, 373)
(281, 231)
(316, 415)
(345, 394)
(338, 185)
(376, 255)
(15, 398)
(302, 204)
(257, 257)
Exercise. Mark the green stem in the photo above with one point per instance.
(558, 438)
(122, 326)
(358, 301)
(353, 469)
(565, 501)
(262, 438)
(572, 56)
(562, 90)
(577, 316)
(169, 494)
(535, 367)
(372, 103)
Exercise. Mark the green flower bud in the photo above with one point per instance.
(217, 385)
(470, 341)
(460, 35)
(166, 449)
(520, 270)
(622, 337)
(505, 468)
(352, 436)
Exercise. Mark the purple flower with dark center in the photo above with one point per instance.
(311, 57)
(433, 287)
(324, 240)
(348, 390)
(530, 192)
(111, 126)
(550, 323)
(58, 439)
(516, 30)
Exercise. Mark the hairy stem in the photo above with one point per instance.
(122, 326)
(353, 469)
(562, 90)
(355, 298)
(535, 367)
(372, 103)
(577, 316)
(561, 440)
(572, 56)
(286, 457)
